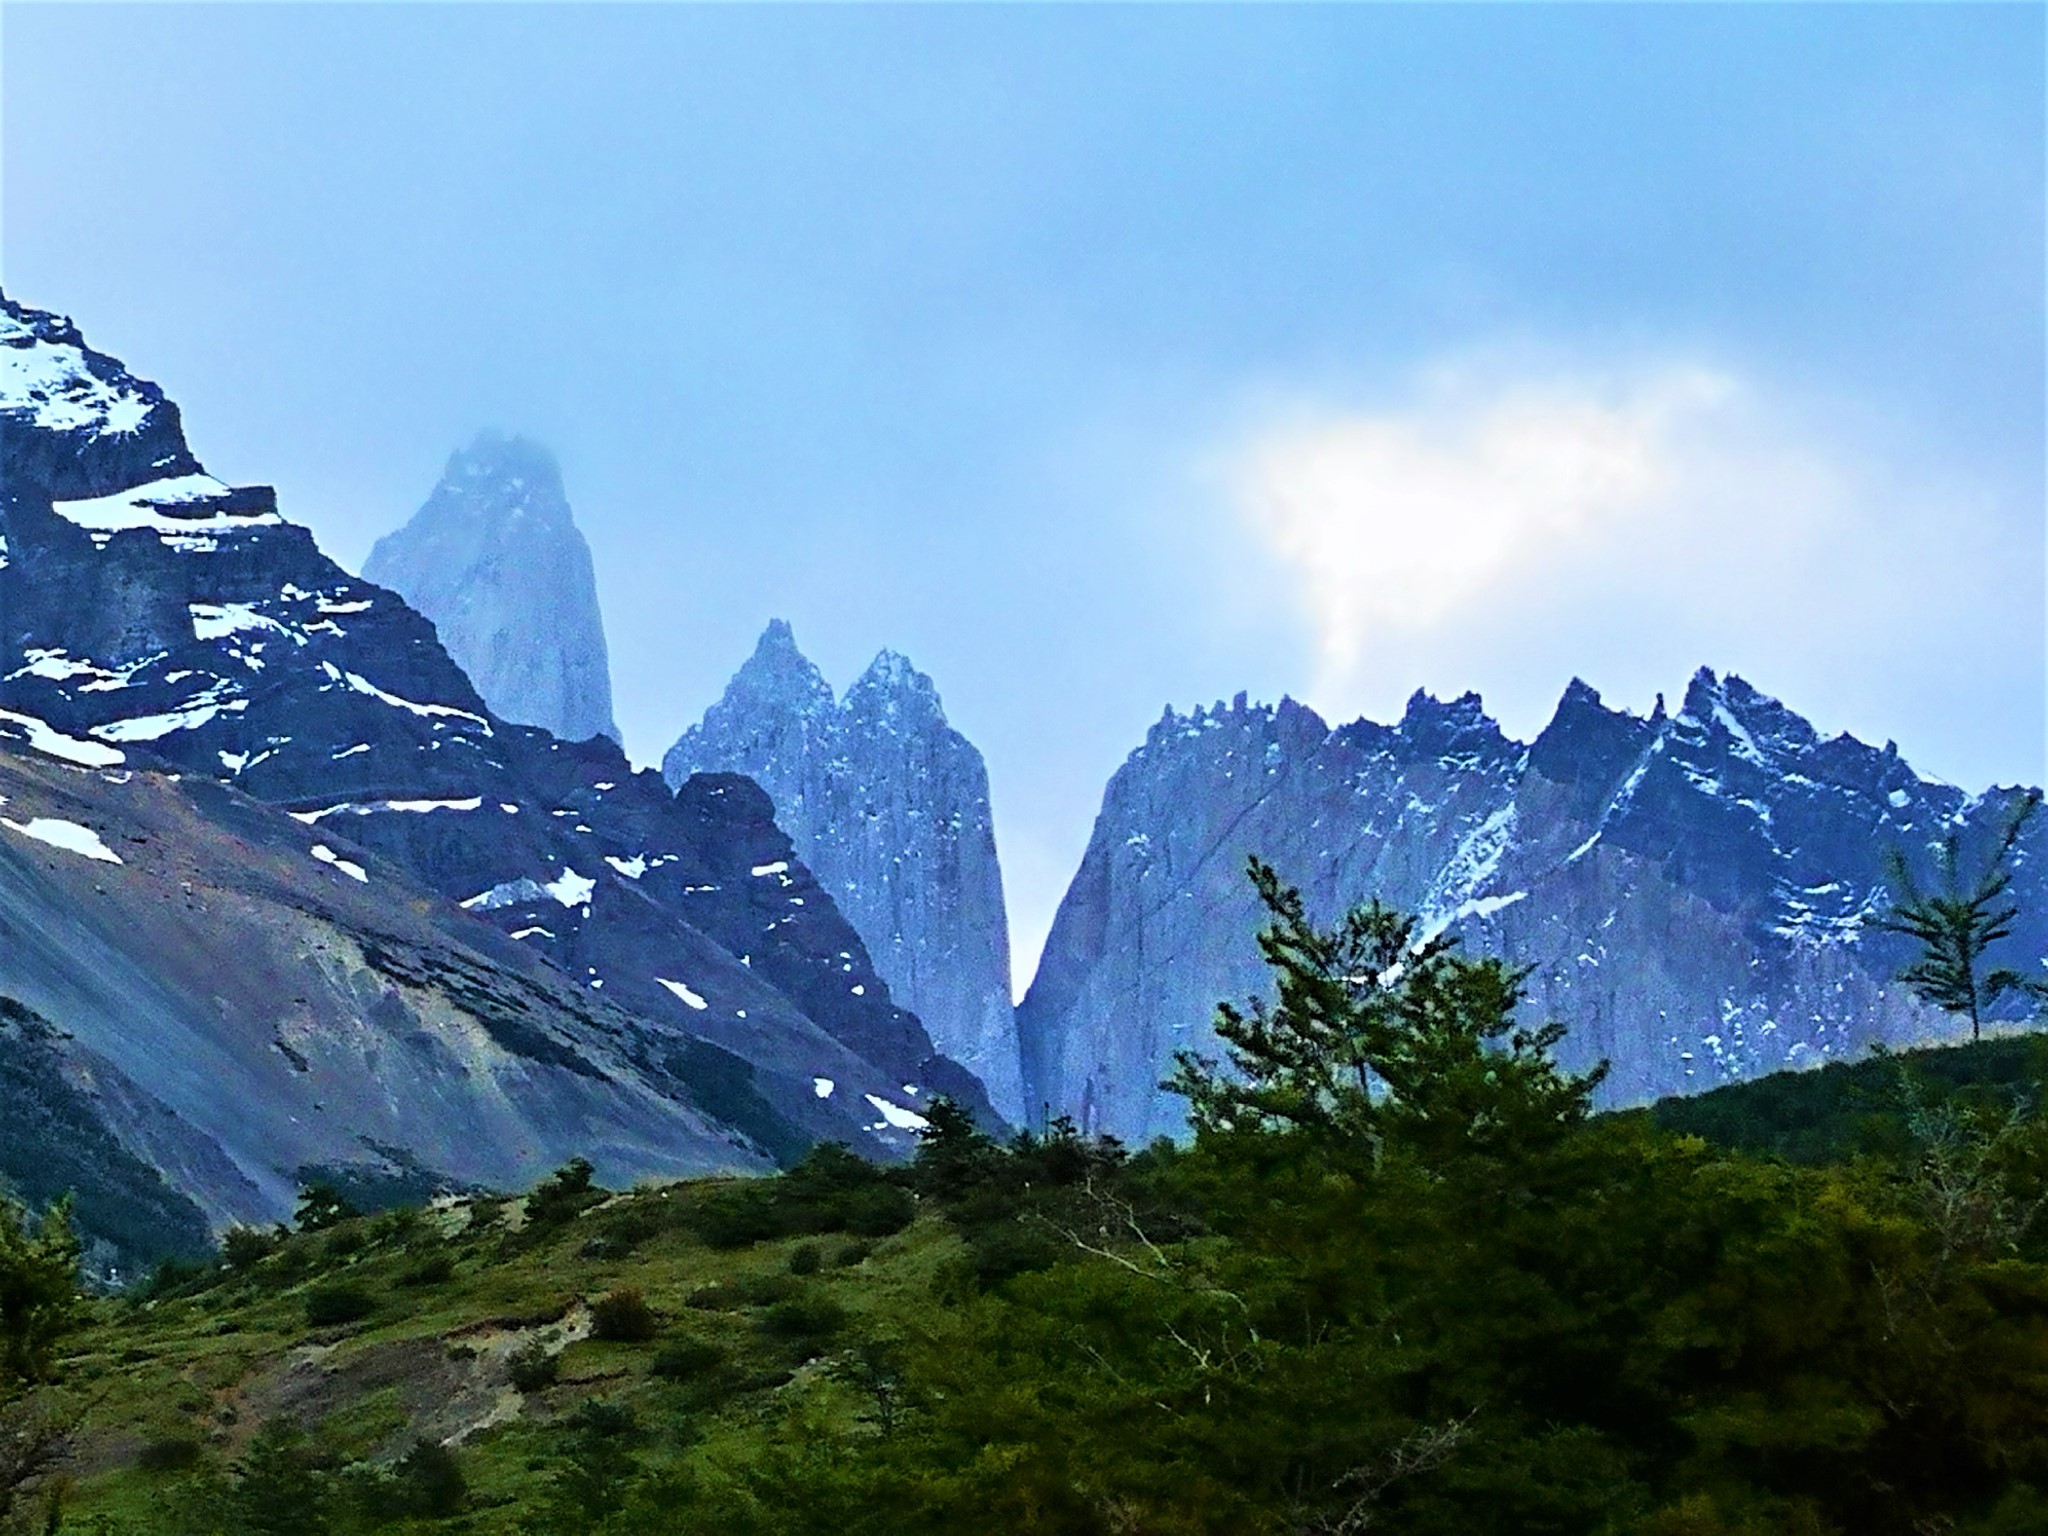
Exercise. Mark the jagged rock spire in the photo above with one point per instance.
(494, 558)
(889, 806)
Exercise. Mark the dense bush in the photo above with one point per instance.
(243, 1247)
(681, 1359)
(808, 1321)
(322, 1206)
(623, 1317)
(433, 1269)
(170, 1453)
(831, 1190)
(533, 1367)
(335, 1302)
(565, 1194)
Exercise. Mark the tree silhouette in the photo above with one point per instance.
(1958, 923)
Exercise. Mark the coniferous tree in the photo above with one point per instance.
(39, 1298)
(1958, 923)
(1377, 1034)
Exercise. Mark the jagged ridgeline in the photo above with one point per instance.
(289, 894)
(889, 806)
(1693, 890)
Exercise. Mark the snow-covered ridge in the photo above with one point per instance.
(46, 377)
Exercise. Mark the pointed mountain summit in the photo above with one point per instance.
(494, 558)
(888, 806)
(290, 896)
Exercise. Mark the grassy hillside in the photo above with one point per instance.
(1452, 1303)
(619, 1329)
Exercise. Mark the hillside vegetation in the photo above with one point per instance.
(1402, 1281)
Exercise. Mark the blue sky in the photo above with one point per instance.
(1101, 358)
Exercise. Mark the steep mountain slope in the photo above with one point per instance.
(239, 999)
(152, 617)
(888, 805)
(495, 559)
(1693, 890)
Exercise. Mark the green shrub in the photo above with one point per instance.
(322, 1206)
(428, 1482)
(831, 1190)
(877, 1211)
(563, 1195)
(242, 1247)
(173, 1277)
(533, 1367)
(336, 1303)
(486, 1210)
(170, 1453)
(807, 1259)
(853, 1254)
(807, 1321)
(622, 1317)
(686, 1358)
(747, 1291)
(397, 1224)
(434, 1269)
(734, 1218)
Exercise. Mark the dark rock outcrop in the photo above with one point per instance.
(1694, 891)
(495, 559)
(889, 806)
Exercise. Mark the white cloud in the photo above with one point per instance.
(1504, 527)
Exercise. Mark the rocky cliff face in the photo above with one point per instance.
(226, 1001)
(155, 620)
(888, 805)
(1693, 890)
(494, 558)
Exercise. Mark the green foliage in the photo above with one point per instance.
(1845, 1109)
(244, 1247)
(337, 1302)
(595, 1470)
(623, 1317)
(322, 1206)
(39, 1300)
(1956, 924)
(682, 1359)
(284, 1484)
(807, 1321)
(564, 1195)
(831, 1190)
(1401, 1284)
(433, 1269)
(426, 1483)
(1380, 1038)
(170, 1453)
(533, 1367)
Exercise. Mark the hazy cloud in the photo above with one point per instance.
(1505, 527)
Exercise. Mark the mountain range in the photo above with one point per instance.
(157, 628)
(1692, 892)
(306, 874)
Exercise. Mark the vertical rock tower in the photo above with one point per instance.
(494, 558)
(888, 806)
